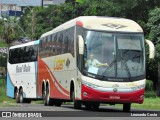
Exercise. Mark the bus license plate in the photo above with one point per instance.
(114, 97)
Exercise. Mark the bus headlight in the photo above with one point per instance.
(89, 84)
(138, 87)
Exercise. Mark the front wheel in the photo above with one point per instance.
(96, 106)
(126, 107)
(76, 103)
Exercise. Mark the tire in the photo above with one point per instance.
(92, 105)
(16, 96)
(27, 101)
(88, 106)
(48, 101)
(76, 103)
(96, 106)
(21, 99)
(44, 97)
(58, 103)
(126, 107)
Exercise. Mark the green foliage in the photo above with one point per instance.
(153, 29)
(3, 61)
(3, 44)
(150, 94)
(149, 85)
(8, 29)
(3, 97)
(149, 91)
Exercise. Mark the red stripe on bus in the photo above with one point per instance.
(44, 74)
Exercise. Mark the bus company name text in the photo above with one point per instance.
(59, 64)
(23, 68)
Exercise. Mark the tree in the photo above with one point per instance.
(9, 30)
(154, 35)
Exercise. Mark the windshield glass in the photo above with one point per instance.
(112, 56)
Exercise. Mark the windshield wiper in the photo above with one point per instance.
(127, 68)
(112, 63)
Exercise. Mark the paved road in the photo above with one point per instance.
(68, 113)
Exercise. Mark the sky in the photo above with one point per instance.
(22, 2)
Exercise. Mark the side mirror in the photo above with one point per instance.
(151, 49)
(81, 44)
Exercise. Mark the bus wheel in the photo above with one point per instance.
(21, 99)
(76, 103)
(16, 96)
(58, 103)
(96, 106)
(44, 97)
(43, 94)
(126, 107)
(88, 106)
(47, 100)
(27, 101)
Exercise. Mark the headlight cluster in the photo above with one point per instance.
(89, 84)
(138, 87)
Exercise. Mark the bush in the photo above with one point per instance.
(150, 94)
(149, 85)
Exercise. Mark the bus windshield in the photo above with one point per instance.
(114, 56)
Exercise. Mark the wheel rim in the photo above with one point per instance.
(21, 97)
(47, 99)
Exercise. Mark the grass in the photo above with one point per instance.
(4, 100)
(148, 104)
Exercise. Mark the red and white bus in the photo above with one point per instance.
(65, 50)
(66, 71)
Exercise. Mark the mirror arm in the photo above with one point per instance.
(151, 48)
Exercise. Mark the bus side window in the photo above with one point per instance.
(56, 44)
(21, 54)
(16, 55)
(34, 54)
(60, 41)
(26, 54)
(71, 34)
(53, 45)
(59, 45)
(11, 56)
(31, 53)
(66, 43)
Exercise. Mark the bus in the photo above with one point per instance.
(117, 42)
(22, 75)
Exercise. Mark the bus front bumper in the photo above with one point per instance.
(90, 94)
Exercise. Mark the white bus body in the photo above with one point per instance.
(22, 70)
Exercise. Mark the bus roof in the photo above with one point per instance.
(112, 24)
(25, 44)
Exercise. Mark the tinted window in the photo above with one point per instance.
(23, 54)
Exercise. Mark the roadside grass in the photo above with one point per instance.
(148, 104)
(4, 100)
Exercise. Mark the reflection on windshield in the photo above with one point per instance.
(114, 55)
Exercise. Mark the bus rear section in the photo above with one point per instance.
(22, 70)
